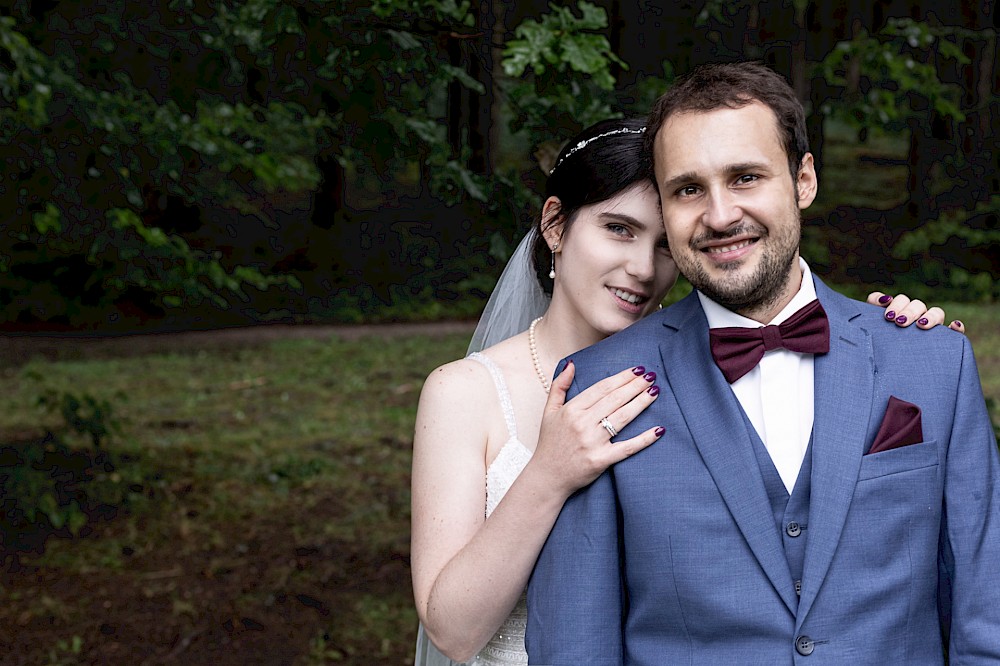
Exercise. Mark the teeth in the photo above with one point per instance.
(728, 248)
(626, 296)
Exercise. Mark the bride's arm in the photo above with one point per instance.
(468, 572)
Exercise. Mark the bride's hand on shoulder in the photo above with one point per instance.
(574, 444)
(904, 312)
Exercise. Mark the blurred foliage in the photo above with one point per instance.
(220, 108)
(61, 481)
(558, 68)
(290, 159)
(930, 247)
(86, 147)
(82, 414)
(51, 486)
(892, 76)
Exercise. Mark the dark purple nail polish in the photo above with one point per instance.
(659, 431)
(885, 299)
(649, 376)
(638, 370)
(890, 315)
(958, 323)
(653, 390)
(923, 321)
(901, 319)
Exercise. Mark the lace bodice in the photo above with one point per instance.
(507, 645)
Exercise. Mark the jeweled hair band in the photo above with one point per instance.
(583, 144)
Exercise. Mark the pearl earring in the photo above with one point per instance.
(552, 269)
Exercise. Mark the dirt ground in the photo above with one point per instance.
(194, 610)
(189, 610)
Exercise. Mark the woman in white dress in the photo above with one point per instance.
(494, 426)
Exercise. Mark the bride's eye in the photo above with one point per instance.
(618, 229)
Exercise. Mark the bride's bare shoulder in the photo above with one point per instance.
(466, 378)
(459, 375)
(509, 353)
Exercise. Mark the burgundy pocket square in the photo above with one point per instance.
(900, 426)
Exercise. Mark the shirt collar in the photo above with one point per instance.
(720, 317)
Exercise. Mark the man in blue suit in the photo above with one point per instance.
(828, 488)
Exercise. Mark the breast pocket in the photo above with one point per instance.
(896, 461)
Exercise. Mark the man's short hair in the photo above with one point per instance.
(734, 85)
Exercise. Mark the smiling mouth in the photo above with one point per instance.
(629, 297)
(729, 248)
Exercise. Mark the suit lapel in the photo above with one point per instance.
(844, 385)
(715, 420)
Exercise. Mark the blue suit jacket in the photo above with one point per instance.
(673, 555)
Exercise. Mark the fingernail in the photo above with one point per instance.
(901, 319)
(885, 299)
(653, 390)
(958, 323)
(923, 321)
(890, 315)
(649, 376)
(659, 431)
(638, 370)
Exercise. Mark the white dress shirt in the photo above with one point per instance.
(777, 395)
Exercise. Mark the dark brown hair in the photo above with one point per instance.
(735, 85)
(597, 164)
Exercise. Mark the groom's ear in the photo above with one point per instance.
(806, 182)
(552, 227)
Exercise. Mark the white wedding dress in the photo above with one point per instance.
(506, 648)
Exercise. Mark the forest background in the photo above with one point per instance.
(185, 165)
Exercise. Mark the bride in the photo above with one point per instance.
(497, 450)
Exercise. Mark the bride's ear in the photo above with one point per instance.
(552, 227)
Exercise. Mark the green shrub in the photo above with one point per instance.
(50, 487)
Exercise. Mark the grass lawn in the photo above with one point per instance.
(272, 525)
(269, 513)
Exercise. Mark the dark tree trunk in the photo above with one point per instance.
(328, 201)
(481, 68)
(977, 132)
(616, 24)
(455, 114)
(799, 65)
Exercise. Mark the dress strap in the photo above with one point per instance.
(505, 403)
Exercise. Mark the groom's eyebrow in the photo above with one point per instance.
(685, 178)
(731, 170)
(746, 167)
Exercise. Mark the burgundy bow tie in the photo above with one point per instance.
(738, 350)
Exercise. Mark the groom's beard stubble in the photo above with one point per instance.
(761, 288)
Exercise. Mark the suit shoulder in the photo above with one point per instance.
(639, 334)
(939, 339)
(887, 337)
(642, 329)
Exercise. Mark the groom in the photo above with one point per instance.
(828, 490)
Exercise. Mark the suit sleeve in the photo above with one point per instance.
(575, 591)
(971, 540)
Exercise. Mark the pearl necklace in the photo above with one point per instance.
(533, 348)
